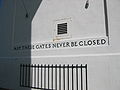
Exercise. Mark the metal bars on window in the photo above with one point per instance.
(54, 77)
(62, 28)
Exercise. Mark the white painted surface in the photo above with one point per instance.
(82, 23)
(103, 62)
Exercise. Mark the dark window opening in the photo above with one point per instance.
(62, 28)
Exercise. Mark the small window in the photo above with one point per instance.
(61, 28)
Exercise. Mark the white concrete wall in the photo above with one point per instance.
(103, 61)
(82, 23)
(47, 14)
(103, 71)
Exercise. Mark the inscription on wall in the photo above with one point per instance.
(92, 42)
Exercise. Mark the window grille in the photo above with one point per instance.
(54, 77)
(62, 28)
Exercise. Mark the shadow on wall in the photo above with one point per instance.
(15, 32)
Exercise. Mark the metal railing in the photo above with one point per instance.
(54, 77)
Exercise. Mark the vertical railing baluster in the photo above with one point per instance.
(41, 75)
(45, 76)
(38, 76)
(77, 77)
(23, 75)
(72, 78)
(35, 75)
(26, 75)
(68, 76)
(64, 77)
(48, 76)
(56, 76)
(81, 78)
(32, 75)
(29, 75)
(86, 78)
(20, 74)
(52, 77)
(59, 77)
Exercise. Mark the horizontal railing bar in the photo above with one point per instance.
(50, 66)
